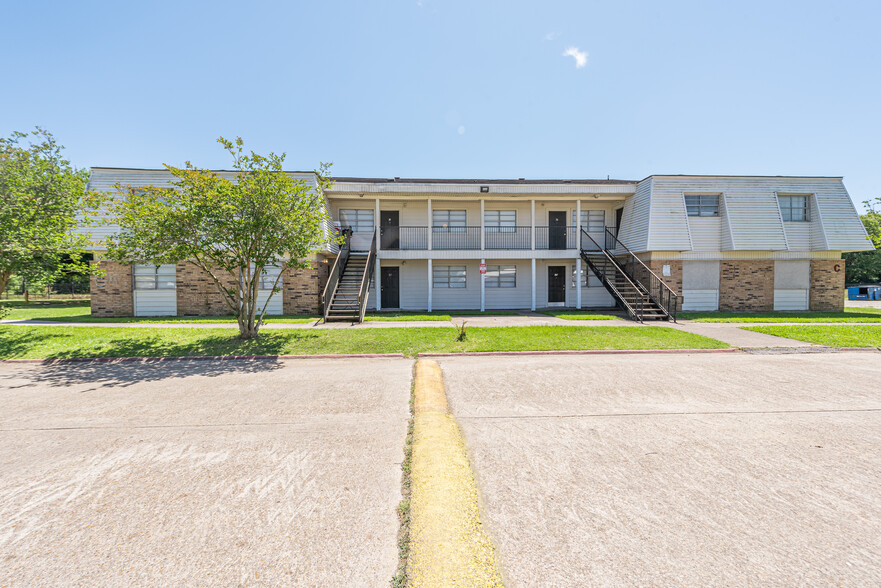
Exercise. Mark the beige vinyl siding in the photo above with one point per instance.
(841, 225)
(634, 229)
(459, 298)
(519, 297)
(798, 235)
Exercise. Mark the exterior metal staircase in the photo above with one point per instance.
(345, 295)
(636, 288)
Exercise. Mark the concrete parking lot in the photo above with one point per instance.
(689, 470)
(201, 472)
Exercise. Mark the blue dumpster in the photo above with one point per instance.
(858, 293)
(875, 293)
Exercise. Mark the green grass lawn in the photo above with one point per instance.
(829, 335)
(17, 341)
(579, 315)
(850, 315)
(79, 312)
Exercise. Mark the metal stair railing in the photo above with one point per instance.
(658, 290)
(635, 313)
(336, 273)
(365, 280)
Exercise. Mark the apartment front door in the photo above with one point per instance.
(390, 282)
(556, 285)
(556, 230)
(389, 230)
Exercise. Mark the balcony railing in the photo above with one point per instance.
(410, 238)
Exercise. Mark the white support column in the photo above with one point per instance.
(532, 220)
(482, 226)
(430, 282)
(377, 279)
(376, 227)
(533, 277)
(482, 287)
(578, 248)
(430, 231)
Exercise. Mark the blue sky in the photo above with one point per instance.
(430, 88)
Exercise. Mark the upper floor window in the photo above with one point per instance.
(360, 220)
(702, 204)
(155, 277)
(448, 221)
(592, 221)
(794, 207)
(501, 276)
(500, 221)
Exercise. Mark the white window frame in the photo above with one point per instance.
(804, 211)
(588, 278)
(360, 220)
(500, 221)
(449, 276)
(150, 276)
(592, 221)
(500, 276)
(704, 203)
(268, 277)
(449, 221)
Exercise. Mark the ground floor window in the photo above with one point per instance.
(588, 278)
(501, 276)
(155, 277)
(268, 277)
(448, 276)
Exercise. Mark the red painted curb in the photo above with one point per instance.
(203, 358)
(581, 352)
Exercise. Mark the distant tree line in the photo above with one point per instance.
(864, 267)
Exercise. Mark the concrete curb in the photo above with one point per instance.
(581, 352)
(448, 545)
(203, 358)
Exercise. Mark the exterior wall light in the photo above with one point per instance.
(484, 188)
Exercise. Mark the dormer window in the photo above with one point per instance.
(794, 207)
(702, 204)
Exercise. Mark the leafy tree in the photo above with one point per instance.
(41, 197)
(262, 218)
(865, 266)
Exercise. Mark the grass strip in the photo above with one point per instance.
(580, 315)
(828, 335)
(399, 580)
(19, 341)
(850, 315)
(80, 312)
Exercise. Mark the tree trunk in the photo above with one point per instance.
(5, 276)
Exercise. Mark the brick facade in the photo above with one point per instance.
(301, 289)
(746, 286)
(827, 285)
(112, 291)
(674, 280)
(197, 294)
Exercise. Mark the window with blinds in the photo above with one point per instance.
(360, 220)
(448, 221)
(500, 221)
(588, 278)
(592, 221)
(155, 277)
(501, 276)
(702, 204)
(448, 276)
(794, 208)
(268, 278)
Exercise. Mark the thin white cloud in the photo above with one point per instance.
(579, 56)
(461, 129)
(551, 36)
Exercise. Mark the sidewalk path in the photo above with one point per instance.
(732, 334)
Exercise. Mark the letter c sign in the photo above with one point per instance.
(837, 267)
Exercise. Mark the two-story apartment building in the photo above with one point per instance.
(652, 247)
